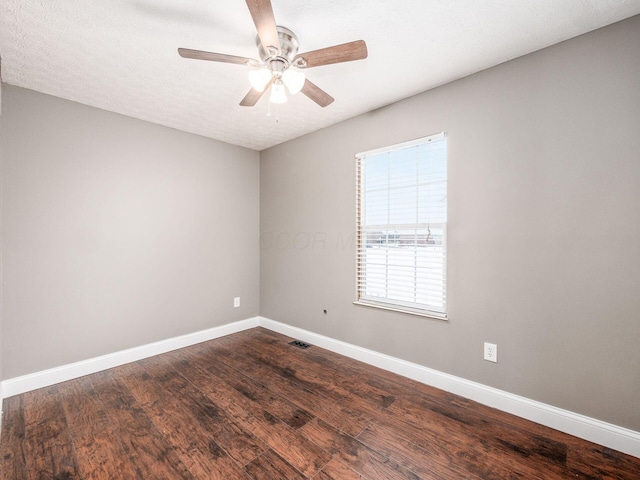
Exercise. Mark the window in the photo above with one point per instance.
(402, 226)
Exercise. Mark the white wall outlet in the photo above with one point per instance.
(236, 302)
(491, 352)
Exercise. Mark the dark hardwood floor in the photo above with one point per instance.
(250, 406)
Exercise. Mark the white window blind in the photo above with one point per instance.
(402, 226)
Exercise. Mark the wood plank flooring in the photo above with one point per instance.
(251, 406)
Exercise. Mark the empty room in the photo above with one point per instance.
(271, 239)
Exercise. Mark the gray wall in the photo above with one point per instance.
(544, 227)
(118, 232)
(1, 250)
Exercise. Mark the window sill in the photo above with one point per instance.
(417, 313)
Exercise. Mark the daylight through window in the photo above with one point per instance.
(402, 226)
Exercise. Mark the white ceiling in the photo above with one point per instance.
(120, 55)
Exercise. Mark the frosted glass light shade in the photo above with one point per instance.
(259, 79)
(294, 80)
(278, 95)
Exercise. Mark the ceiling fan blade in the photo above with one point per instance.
(251, 98)
(316, 94)
(345, 52)
(213, 57)
(262, 14)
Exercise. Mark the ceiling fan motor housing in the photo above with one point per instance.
(288, 47)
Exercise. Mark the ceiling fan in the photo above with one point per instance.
(280, 63)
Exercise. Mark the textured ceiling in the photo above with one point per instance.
(120, 55)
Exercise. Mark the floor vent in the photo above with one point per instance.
(299, 344)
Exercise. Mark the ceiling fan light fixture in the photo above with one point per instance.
(278, 94)
(259, 79)
(294, 80)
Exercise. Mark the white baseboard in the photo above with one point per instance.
(591, 429)
(597, 431)
(25, 383)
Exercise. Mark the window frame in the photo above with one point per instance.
(398, 305)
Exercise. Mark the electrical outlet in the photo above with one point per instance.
(491, 352)
(236, 302)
